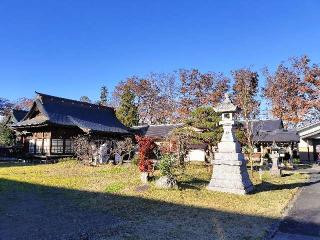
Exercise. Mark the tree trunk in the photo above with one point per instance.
(251, 164)
(211, 154)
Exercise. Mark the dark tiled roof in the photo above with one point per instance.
(308, 126)
(156, 131)
(266, 125)
(62, 111)
(272, 130)
(18, 115)
(266, 131)
(15, 116)
(203, 146)
(279, 135)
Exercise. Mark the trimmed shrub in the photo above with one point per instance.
(167, 165)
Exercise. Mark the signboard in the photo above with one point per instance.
(282, 152)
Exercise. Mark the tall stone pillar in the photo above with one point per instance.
(229, 167)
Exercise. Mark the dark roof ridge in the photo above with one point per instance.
(166, 124)
(73, 101)
(19, 110)
(310, 125)
(258, 120)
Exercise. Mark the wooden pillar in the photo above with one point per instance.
(42, 144)
(64, 145)
(308, 150)
(50, 148)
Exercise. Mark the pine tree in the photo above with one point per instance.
(104, 96)
(127, 112)
(206, 119)
(85, 99)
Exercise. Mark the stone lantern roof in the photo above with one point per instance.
(226, 106)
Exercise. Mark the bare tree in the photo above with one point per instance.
(245, 92)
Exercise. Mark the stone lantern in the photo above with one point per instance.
(275, 171)
(229, 167)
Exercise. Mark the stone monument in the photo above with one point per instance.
(104, 153)
(229, 167)
(275, 170)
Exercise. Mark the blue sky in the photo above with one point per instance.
(71, 48)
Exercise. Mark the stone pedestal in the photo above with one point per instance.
(144, 176)
(229, 168)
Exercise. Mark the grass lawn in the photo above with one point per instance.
(190, 212)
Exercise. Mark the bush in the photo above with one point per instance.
(82, 148)
(296, 160)
(146, 147)
(135, 160)
(167, 165)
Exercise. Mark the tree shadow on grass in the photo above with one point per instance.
(302, 166)
(31, 211)
(266, 186)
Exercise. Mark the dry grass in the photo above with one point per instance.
(191, 212)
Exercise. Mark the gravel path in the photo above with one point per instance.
(303, 219)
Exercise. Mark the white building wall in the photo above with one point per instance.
(307, 138)
(196, 155)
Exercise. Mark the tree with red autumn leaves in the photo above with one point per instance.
(198, 89)
(23, 104)
(169, 97)
(146, 147)
(155, 97)
(311, 80)
(293, 89)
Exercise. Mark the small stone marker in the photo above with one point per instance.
(144, 176)
(230, 170)
(166, 183)
(275, 170)
(103, 153)
(117, 158)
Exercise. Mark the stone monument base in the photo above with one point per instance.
(275, 172)
(230, 176)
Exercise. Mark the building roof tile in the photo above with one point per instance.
(67, 112)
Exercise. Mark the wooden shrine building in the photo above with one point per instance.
(52, 122)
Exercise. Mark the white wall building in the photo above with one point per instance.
(309, 146)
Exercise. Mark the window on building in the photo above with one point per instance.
(68, 146)
(31, 145)
(46, 145)
(39, 146)
(57, 145)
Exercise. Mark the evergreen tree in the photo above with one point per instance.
(6, 135)
(85, 99)
(127, 112)
(104, 96)
(206, 119)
